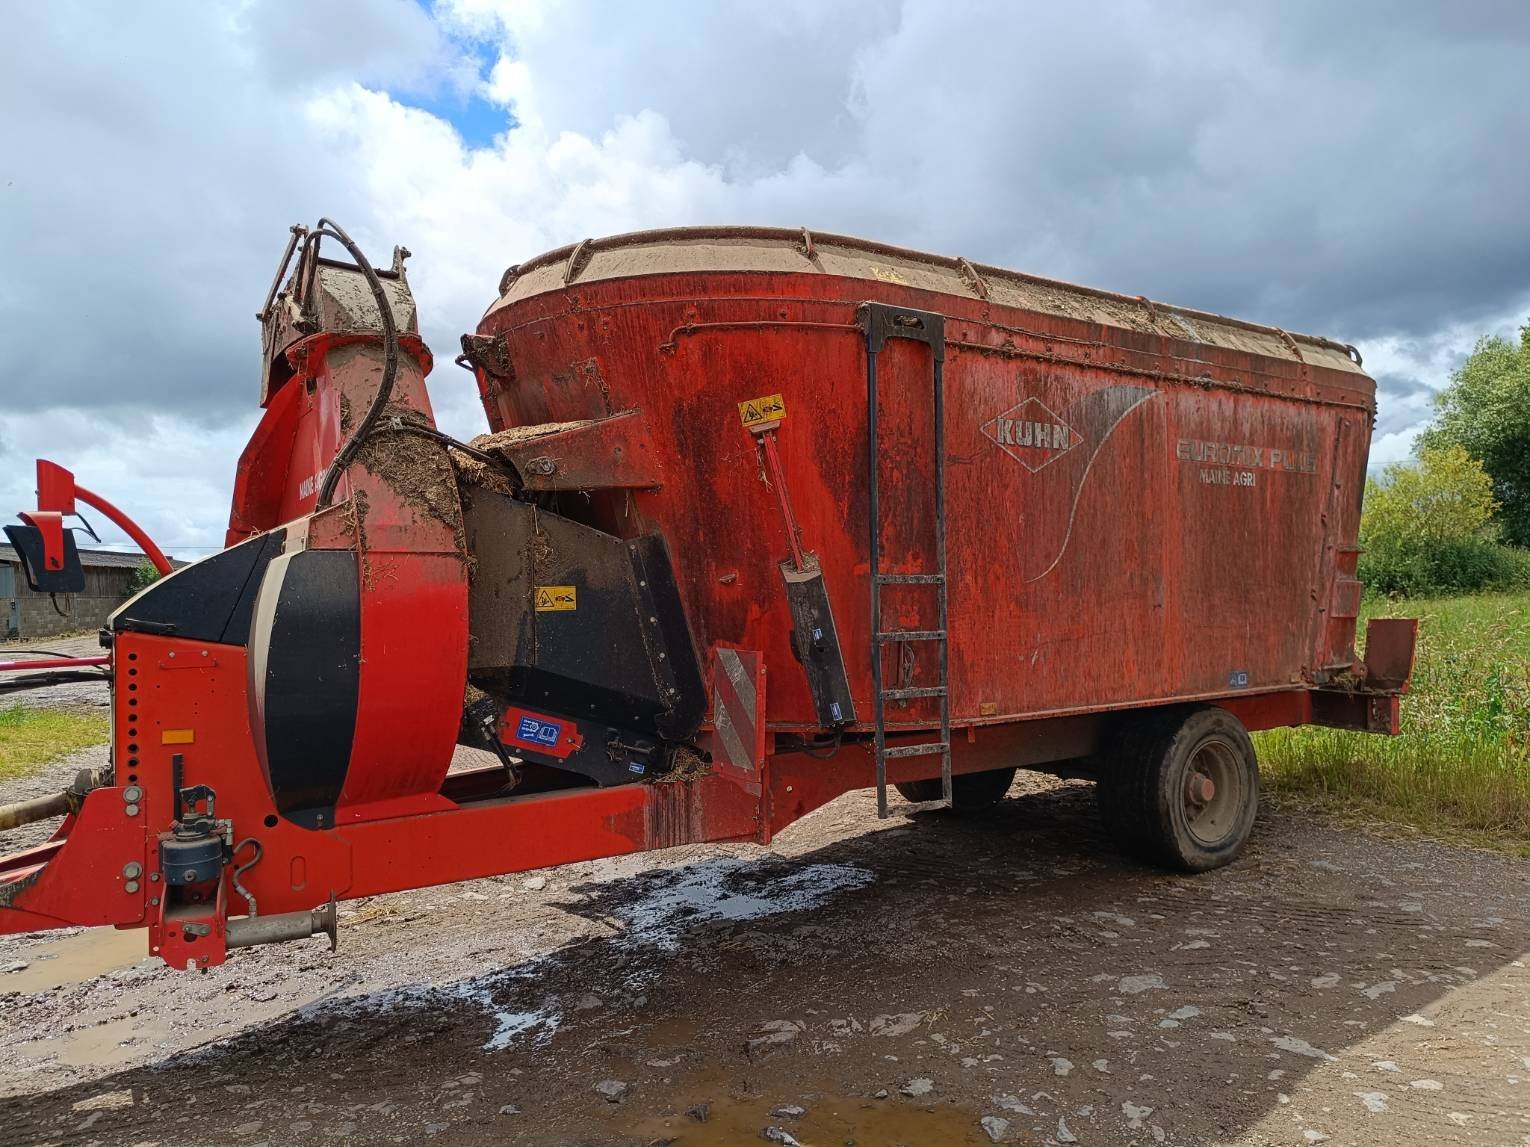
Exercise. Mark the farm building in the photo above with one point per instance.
(25, 614)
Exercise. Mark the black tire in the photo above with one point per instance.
(1180, 788)
(970, 792)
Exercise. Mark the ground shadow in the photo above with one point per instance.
(983, 954)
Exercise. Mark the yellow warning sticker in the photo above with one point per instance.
(178, 737)
(760, 412)
(556, 598)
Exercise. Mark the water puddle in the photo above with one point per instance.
(77, 958)
(102, 1045)
(829, 1122)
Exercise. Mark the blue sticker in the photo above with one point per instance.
(1238, 679)
(535, 732)
(835, 710)
(636, 767)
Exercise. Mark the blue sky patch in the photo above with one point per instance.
(476, 119)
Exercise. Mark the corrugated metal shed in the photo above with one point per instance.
(112, 558)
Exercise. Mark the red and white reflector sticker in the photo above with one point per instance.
(738, 693)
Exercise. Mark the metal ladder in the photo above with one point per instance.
(881, 322)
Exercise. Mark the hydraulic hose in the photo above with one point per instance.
(347, 452)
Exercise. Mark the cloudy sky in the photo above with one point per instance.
(1357, 170)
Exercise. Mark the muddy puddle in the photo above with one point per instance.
(102, 1045)
(708, 1106)
(77, 958)
(826, 1121)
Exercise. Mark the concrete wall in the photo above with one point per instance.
(25, 615)
(37, 618)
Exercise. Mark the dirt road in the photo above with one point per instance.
(1003, 979)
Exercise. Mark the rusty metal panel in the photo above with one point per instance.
(1389, 648)
(1134, 515)
(612, 453)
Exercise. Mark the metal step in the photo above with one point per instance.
(912, 635)
(911, 579)
(926, 749)
(922, 806)
(915, 691)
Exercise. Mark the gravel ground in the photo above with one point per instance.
(928, 981)
(73, 695)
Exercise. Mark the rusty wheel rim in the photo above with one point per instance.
(1212, 792)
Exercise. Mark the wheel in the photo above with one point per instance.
(969, 791)
(1181, 788)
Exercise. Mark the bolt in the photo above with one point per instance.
(132, 810)
(131, 886)
(154, 877)
(132, 870)
(132, 794)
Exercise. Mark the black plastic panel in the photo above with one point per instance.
(29, 546)
(210, 600)
(815, 641)
(313, 673)
(621, 657)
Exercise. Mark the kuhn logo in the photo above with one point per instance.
(1031, 434)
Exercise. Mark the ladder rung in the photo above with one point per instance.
(927, 749)
(911, 579)
(922, 806)
(912, 635)
(916, 691)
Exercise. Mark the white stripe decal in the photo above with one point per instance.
(733, 666)
(728, 734)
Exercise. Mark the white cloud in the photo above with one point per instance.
(170, 475)
(1246, 160)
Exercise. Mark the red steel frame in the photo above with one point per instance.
(183, 714)
(56, 494)
(201, 716)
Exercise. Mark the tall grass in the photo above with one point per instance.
(30, 738)
(1461, 768)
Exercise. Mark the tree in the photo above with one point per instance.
(144, 575)
(1427, 527)
(1486, 411)
(1445, 497)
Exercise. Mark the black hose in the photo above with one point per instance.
(44, 678)
(448, 440)
(347, 452)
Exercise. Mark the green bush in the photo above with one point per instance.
(144, 575)
(1428, 528)
(1419, 567)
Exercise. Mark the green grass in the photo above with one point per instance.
(1460, 771)
(30, 738)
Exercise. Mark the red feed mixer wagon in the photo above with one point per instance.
(764, 517)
